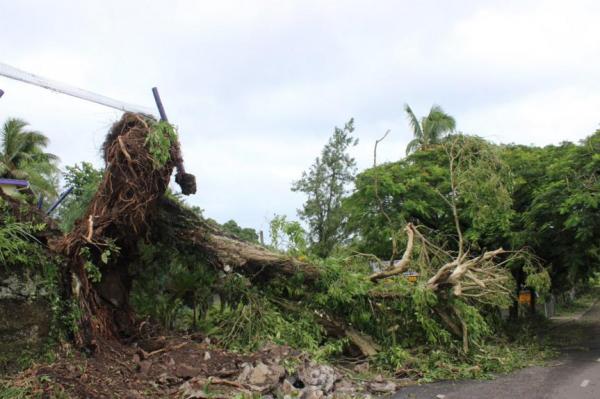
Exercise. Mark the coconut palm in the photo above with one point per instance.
(430, 129)
(22, 156)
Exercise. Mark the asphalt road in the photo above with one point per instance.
(575, 375)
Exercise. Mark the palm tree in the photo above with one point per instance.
(22, 156)
(431, 128)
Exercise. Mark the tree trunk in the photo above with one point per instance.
(176, 223)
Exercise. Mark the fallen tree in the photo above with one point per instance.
(140, 155)
(367, 310)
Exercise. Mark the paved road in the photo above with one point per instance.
(575, 375)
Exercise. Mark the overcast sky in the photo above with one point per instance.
(256, 87)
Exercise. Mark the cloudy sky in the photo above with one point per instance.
(256, 87)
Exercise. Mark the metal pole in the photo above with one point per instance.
(60, 199)
(22, 76)
(159, 105)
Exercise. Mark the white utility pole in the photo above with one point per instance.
(20, 75)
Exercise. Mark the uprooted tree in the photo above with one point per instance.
(139, 155)
(368, 311)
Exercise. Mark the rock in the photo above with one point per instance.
(318, 376)
(362, 368)
(186, 371)
(312, 393)
(287, 388)
(246, 369)
(191, 390)
(166, 379)
(275, 352)
(382, 387)
(261, 374)
(22, 293)
(266, 374)
(344, 389)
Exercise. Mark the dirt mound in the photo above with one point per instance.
(189, 367)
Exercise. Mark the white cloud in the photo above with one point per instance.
(540, 118)
(540, 38)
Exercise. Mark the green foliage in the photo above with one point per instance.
(504, 196)
(92, 271)
(418, 189)
(84, 179)
(18, 245)
(171, 287)
(26, 390)
(557, 200)
(287, 236)
(7, 391)
(246, 234)
(246, 320)
(159, 141)
(325, 185)
(21, 249)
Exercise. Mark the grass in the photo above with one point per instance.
(28, 389)
(580, 304)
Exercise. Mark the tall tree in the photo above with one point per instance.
(462, 174)
(325, 185)
(22, 156)
(430, 129)
(557, 199)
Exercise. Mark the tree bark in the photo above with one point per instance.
(226, 252)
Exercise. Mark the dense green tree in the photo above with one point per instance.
(325, 185)
(557, 200)
(464, 172)
(430, 130)
(246, 234)
(84, 179)
(22, 156)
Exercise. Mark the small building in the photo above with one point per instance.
(15, 188)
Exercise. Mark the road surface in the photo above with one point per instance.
(575, 375)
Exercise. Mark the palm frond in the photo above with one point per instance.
(413, 145)
(23, 156)
(414, 122)
(437, 124)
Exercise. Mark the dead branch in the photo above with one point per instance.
(403, 264)
(380, 202)
(375, 148)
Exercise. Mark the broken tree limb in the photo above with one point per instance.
(336, 328)
(453, 271)
(403, 264)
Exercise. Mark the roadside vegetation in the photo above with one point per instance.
(415, 265)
